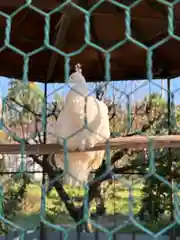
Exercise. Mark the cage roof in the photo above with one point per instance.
(108, 26)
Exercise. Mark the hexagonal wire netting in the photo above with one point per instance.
(130, 190)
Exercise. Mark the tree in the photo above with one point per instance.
(149, 117)
(21, 119)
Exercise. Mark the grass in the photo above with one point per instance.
(116, 203)
(56, 211)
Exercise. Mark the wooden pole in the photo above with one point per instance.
(136, 142)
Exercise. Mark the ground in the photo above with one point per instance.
(117, 210)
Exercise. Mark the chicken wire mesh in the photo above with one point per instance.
(130, 190)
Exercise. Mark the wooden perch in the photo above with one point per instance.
(136, 142)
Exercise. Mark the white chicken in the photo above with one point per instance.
(70, 125)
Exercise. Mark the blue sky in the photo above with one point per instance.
(137, 89)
